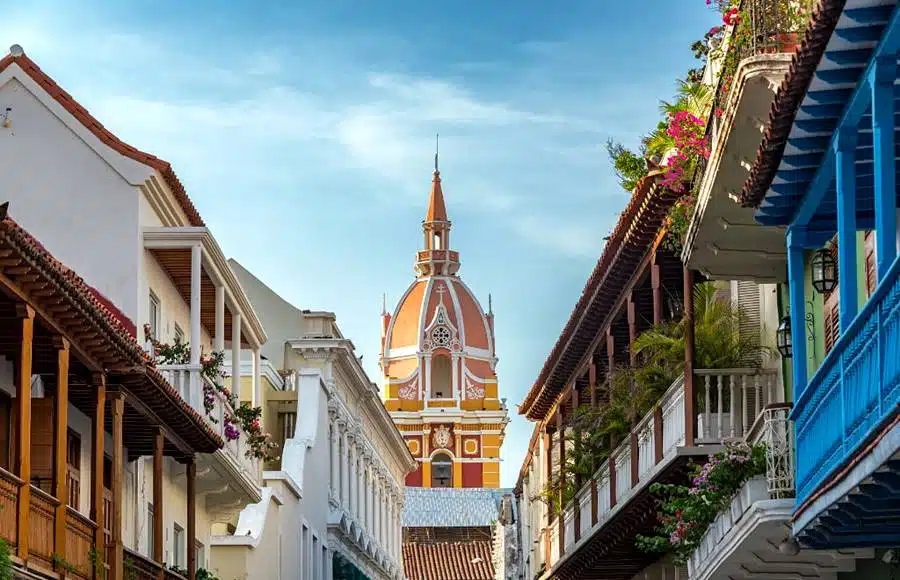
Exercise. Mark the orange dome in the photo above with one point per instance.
(439, 312)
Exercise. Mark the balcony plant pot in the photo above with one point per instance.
(783, 42)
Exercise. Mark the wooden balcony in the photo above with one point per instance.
(597, 529)
(79, 531)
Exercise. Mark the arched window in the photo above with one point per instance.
(441, 471)
(441, 374)
(437, 241)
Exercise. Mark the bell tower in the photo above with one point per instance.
(439, 368)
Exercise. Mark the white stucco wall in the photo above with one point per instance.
(281, 319)
(68, 196)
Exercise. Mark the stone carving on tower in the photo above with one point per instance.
(438, 365)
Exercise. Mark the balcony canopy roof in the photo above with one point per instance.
(828, 86)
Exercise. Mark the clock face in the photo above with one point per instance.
(440, 336)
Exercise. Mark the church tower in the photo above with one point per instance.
(439, 367)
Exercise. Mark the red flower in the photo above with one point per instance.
(732, 17)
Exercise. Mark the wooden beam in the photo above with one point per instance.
(689, 397)
(191, 519)
(632, 327)
(656, 284)
(117, 406)
(159, 442)
(13, 288)
(657, 433)
(60, 470)
(98, 437)
(144, 409)
(23, 431)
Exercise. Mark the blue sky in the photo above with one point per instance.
(304, 133)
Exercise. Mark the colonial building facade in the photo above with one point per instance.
(122, 219)
(439, 367)
(337, 490)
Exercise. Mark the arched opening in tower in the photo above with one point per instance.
(441, 377)
(441, 470)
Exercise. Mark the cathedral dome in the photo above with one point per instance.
(439, 312)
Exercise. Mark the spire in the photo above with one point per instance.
(436, 257)
(437, 211)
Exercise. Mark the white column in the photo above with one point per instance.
(257, 382)
(378, 539)
(196, 260)
(345, 470)
(219, 344)
(236, 355)
(357, 482)
(456, 385)
(335, 462)
(352, 504)
(428, 377)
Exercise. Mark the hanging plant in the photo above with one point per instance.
(687, 511)
(231, 430)
(259, 443)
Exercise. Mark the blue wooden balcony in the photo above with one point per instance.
(837, 175)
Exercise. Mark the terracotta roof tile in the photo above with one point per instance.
(788, 99)
(106, 315)
(105, 135)
(448, 561)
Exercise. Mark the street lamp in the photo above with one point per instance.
(824, 271)
(783, 337)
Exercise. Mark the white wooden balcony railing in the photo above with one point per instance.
(188, 381)
(729, 402)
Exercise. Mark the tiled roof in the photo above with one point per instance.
(787, 101)
(448, 561)
(110, 320)
(445, 508)
(105, 135)
(635, 232)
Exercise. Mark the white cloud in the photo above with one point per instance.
(224, 108)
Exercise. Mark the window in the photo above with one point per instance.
(315, 561)
(179, 334)
(441, 471)
(153, 316)
(178, 541)
(437, 242)
(324, 561)
(151, 549)
(73, 468)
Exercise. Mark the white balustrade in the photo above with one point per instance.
(188, 381)
(569, 523)
(622, 460)
(730, 400)
(751, 389)
(673, 417)
(646, 446)
(553, 556)
(584, 499)
(602, 479)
